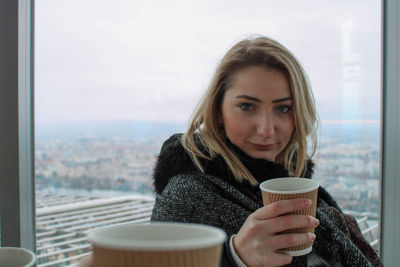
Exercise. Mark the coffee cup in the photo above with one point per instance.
(16, 257)
(290, 188)
(157, 244)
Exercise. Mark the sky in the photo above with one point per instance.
(99, 60)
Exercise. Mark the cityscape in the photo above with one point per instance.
(100, 174)
(117, 163)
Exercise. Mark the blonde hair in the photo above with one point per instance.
(204, 126)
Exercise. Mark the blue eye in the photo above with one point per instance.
(284, 108)
(246, 106)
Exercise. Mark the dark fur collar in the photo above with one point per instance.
(173, 159)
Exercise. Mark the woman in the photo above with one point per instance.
(252, 125)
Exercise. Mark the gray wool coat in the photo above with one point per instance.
(184, 194)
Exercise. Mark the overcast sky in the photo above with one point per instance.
(152, 60)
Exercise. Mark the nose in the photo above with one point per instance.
(266, 126)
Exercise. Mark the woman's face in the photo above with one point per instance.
(257, 112)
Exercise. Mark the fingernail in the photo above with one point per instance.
(306, 202)
(315, 221)
(313, 237)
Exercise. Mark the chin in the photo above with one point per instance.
(258, 155)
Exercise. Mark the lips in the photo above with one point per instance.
(261, 147)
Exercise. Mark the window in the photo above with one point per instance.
(128, 80)
(390, 13)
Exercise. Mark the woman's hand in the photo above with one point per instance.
(257, 242)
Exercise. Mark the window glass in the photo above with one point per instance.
(115, 79)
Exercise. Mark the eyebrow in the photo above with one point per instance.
(282, 99)
(258, 100)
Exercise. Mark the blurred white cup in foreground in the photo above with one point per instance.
(157, 244)
(16, 257)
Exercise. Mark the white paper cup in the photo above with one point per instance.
(16, 257)
(157, 244)
(290, 188)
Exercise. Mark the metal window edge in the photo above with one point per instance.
(26, 123)
(390, 162)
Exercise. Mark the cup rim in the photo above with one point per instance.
(314, 185)
(98, 237)
(33, 255)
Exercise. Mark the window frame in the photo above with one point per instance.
(390, 144)
(17, 190)
(17, 196)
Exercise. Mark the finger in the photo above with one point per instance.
(287, 222)
(283, 241)
(282, 207)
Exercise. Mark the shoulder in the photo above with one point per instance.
(195, 197)
(183, 184)
(171, 161)
(188, 196)
(193, 186)
(204, 192)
